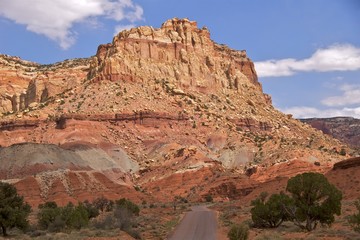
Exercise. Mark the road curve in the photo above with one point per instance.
(199, 224)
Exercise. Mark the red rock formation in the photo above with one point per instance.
(73, 186)
(165, 110)
(346, 129)
(24, 84)
(348, 163)
(179, 51)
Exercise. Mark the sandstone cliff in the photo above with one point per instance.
(178, 51)
(24, 84)
(346, 129)
(190, 112)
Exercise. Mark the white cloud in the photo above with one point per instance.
(310, 112)
(275, 68)
(339, 57)
(350, 96)
(55, 18)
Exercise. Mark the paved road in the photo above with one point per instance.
(199, 224)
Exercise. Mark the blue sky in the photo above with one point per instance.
(307, 53)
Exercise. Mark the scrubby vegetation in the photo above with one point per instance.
(239, 232)
(121, 217)
(98, 218)
(315, 200)
(312, 200)
(55, 219)
(52, 218)
(103, 204)
(270, 213)
(354, 219)
(309, 201)
(13, 210)
(118, 215)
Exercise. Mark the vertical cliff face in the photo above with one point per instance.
(179, 52)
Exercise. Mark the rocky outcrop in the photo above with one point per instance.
(346, 129)
(70, 173)
(72, 186)
(178, 51)
(23, 83)
(348, 163)
(166, 110)
(19, 124)
(252, 125)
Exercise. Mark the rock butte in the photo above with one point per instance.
(154, 114)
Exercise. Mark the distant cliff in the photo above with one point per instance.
(346, 129)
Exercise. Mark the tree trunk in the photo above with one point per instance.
(310, 224)
(4, 230)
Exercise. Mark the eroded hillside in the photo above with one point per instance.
(190, 113)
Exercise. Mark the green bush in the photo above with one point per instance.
(122, 218)
(103, 204)
(57, 225)
(208, 198)
(56, 218)
(91, 209)
(312, 200)
(315, 200)
(342, 152)
(77, 217)
(13, 210)
(354, 220)
(129, 205)
(47, 214)
(239, 232)
(270, 213)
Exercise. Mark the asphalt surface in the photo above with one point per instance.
(199, 224)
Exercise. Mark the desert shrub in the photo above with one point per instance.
(121, 218)
(270, 213)
(76, 217)
(13, 210)
(129, 205)
(134, 233)
(354, 220)
(103, 204)
(342, 152)
(57, 225)
(36, 233)
(312, 200)
(56, 218)
(315, 200)
(92, 211)
(239, 232)
(208, 198)
(47, 214)
(105, 223)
